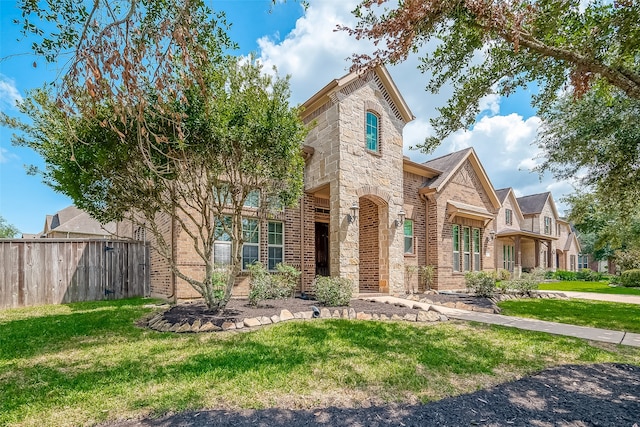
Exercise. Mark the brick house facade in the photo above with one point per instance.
(368, 212)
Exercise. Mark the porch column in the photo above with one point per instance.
(550, 263)
(517, 270)
(537, 253)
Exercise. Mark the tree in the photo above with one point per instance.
(596, 140)
(240, 138)
(7, 230)
(603, 232)
(152, 119)
(489, 46)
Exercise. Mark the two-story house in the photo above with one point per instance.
(368, 212)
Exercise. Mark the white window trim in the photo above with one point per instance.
(269, 245)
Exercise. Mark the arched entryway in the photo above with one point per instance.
(373, 245)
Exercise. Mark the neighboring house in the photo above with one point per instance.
(72, 222)
(368, 212)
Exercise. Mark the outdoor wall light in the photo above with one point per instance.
(401, 215)
(353, 216)
(492, 235)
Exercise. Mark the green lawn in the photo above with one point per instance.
(580, 286)
(87, 363)
(597, 314)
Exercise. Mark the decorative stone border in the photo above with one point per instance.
(158, 323)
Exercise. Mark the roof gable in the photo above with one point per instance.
(385, 83)
(450, 164)
(505, 194)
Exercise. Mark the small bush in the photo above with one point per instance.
(588, 275)
(481, 283)
(285, 281)
(565, 275)
(630, 278)
(525, 285)
(503, 274)
(333, 291)
(427, 273)
(265, 285)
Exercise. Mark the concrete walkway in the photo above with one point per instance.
(628, 299)
(594, 334)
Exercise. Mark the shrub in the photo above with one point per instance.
(630, 278)
(503, 274)
(588, 275)
(285, 281)
(525, 285)
(333, 291)
(565, 275)
(427, 273)
(265, 285)
(409, 272)
(481, 283)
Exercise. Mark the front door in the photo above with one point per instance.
(322, 249)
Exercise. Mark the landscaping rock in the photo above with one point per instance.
(363, 316)
(185, 327)
(307, 314)
(240, 324)
(275, 318)
(227, 326)
(325, 313)
(352, 313)
(298, 315)
(250, 322)
(375, 316)
(209, 327)
(384, 317)
(410, 317)
(196, 325)
(428, 316)
(336, 314)
(443, 318)
(264, 320)
(285, 315)
(396, 317)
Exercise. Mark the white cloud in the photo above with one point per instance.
(9, 94)
(313, 53)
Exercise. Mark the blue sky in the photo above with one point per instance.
(301, 43)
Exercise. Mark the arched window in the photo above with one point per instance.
(372, 132)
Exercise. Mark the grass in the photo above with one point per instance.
(597, 314)
(580, 286)
(87, 363)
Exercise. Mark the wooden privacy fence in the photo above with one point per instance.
(54, 271)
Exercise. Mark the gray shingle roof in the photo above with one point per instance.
(502, 193)
(446, 164)
(533, 204)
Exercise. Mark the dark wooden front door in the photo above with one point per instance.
(322, 249)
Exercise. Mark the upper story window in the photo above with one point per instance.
(547, 225)
(508, 217)
(253, 199)
(373, 132)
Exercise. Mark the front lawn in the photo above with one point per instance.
(87, 363)
(580, 286)
(597, 314)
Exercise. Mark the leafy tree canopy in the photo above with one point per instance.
(494, 46)
(7, 230)
(152, 120)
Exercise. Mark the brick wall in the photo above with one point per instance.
(369, 248)
(415, 209)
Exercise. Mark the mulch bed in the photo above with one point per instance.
(239, 309)
(570, 396)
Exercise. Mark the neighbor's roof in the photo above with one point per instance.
(534, 203)
(74, 220)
